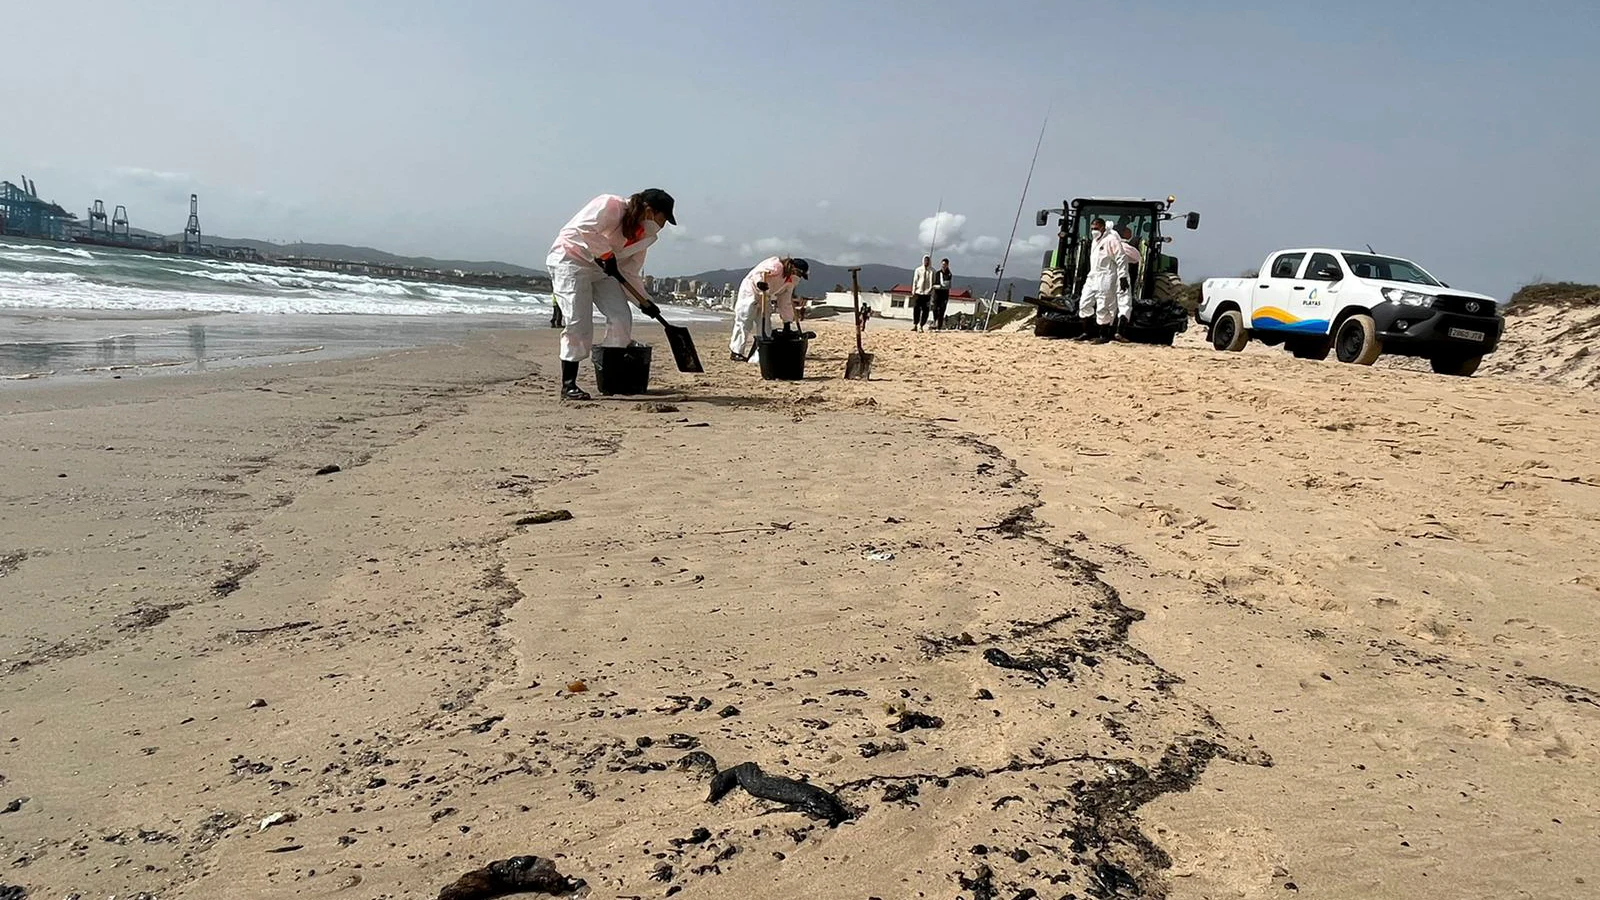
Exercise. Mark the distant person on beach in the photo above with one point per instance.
(941, 293)
(921, 293)
(776, 275)
(607, 238)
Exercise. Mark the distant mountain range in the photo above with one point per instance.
(876, 276)
(367, 255)
(824, 278)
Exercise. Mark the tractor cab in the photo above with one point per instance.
(1153, 281)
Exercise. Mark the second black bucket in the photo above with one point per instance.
(783, 356)
(622, 370)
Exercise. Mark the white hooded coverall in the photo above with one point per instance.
(580, 286)
(1130, 257)
(1106, 265)
(747, 312)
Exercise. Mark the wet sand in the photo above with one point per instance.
(86, 344)
(1190, 625)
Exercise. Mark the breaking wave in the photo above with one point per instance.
(37, 275)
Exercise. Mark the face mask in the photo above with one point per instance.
(650, 227)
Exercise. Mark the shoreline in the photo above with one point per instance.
(413, 646)
(47, 345)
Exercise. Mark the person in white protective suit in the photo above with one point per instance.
(1097, 305)
(606, 239)
(776, 275)
(1127, 288)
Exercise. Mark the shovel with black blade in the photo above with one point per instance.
(678, 337)
(859, 366)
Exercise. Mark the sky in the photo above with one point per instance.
(1459, 133)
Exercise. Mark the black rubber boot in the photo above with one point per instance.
(569, 381)
(1121, 334)
(1105, 332)
(1090, 331)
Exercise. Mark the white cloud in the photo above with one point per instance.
(136, 174)
(1033, 245)
(714, 240)
(869, 242)
(947, 232)
(944, 231)
(772, 246)
(824, 204)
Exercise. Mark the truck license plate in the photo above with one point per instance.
(1466, 335)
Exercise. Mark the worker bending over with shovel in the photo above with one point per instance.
(774, 276)
(606, 239)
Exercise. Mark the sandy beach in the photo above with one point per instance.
(1048, 620)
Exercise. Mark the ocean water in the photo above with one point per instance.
(82, 309)
(41, 275)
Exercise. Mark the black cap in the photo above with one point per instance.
(801, 266)
(660, 201)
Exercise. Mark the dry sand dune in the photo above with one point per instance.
(1550, 342)
(1184, 624)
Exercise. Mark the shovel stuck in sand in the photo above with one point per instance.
(859, 366)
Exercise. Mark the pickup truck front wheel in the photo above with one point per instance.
(1357, 341)
(1461, 366)
(1228, 332)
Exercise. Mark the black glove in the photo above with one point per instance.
(761, 285)
(609, 264)
(650, 308)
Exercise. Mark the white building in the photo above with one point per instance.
(896, 302)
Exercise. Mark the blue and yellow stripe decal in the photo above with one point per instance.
(1271, 318)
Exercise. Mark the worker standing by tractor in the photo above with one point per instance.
(606, 239)
(1128, 282)
(774, 276)
(1097, 305)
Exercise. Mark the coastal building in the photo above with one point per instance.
(895, 303)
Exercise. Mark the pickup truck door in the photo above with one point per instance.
(1316, 293)
(1272, 305)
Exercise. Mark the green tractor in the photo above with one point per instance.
(1157, 317)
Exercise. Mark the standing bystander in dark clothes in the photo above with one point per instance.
(941, 293)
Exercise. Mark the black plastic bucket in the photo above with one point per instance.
(783, 356)
(622, 370)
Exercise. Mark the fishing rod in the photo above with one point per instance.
(1000, 270)
(935, 242)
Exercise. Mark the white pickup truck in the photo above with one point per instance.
(1358, 305)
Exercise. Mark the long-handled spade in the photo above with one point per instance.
(678, 337)
(859, 365)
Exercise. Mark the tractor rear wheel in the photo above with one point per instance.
(1053, 284)
(1169, 287)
